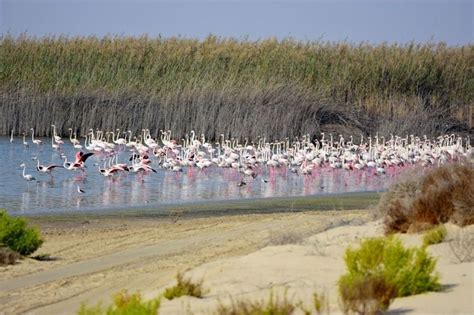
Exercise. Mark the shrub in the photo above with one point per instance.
(396, 204)
(381, 269)
(444, 194)
(435, 236)
(366, 294)
(17, 236)
(184, 287)
(124, 304)
(274, 306)
(7, 256)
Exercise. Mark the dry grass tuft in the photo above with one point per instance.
(444, 194)
(435, 235)
(184, 287)
(124, 304)
(8, 256)
(285, 238)
(274, 306)
(370, 294)
(461, 244)
(321, 303)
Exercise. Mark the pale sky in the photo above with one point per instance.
(373, 21)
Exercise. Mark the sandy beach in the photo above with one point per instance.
(237, 256)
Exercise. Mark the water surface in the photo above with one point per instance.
(59, 194)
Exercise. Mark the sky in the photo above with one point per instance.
(372, 21)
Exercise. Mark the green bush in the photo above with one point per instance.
(124, 304)
(15, 234)
(184, 287)
(435, 236)
(381, 269)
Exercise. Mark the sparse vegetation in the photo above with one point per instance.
(369, 294)
(184, 287)
(435, 235)
(7, 256)
(382, 269)
(124, 304)
(462, 245)
(277, 238)
(15, 234)
(321, 303)
(444, 194)
(238, 88)
(274, 306)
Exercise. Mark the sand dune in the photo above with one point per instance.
(237, 256)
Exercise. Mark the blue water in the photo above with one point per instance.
(59, 194)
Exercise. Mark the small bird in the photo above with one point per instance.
(79, 190)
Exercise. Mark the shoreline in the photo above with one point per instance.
(197, 209)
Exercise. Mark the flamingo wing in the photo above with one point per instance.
(52, 166)
(79, 156)
(84, 157)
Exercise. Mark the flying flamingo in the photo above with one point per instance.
(46, 169)
(27, 177)
(79, 163)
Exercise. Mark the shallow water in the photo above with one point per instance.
(60, 194)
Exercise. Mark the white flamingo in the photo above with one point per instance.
(35, 141)
(25, 143)
(46, 169)
(27, 177)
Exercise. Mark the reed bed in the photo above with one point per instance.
(239, 88)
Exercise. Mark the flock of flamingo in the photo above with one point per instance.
(303, 156)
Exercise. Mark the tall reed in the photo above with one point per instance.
(241, 88)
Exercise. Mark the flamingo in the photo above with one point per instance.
(27, 177)
(74, 140)
(35, 141)
(77, 144)
(46, 169)
(54, 145)
(79, 163)
(56, 137)
(25, 143)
